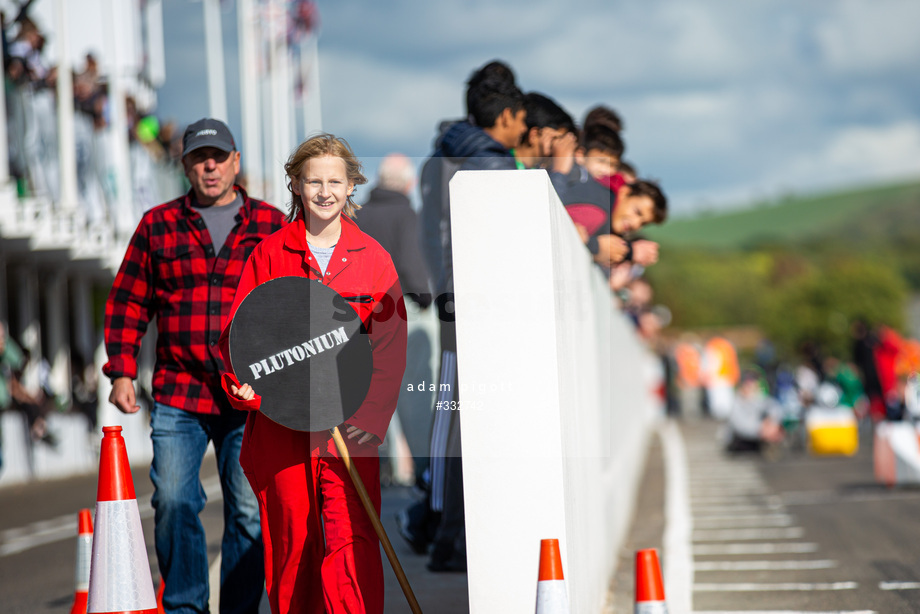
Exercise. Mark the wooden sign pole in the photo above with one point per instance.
(375, 520)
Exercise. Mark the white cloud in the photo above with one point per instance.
(385, 103)
(860, 37)
(860, 153)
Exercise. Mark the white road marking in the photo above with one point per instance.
(750, 587)
(784, 612)
(725, 535)
(723, 491)
(42, 532)
(712, 510)
(734, 522)
(763, 565)
(742, 499)
(824, 497)
(754, 548)
(727, 480)
(899, 586)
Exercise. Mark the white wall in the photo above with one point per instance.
(77, 449)
(556, 400)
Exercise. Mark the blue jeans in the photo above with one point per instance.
(180, 439)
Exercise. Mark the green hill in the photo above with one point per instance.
(869, 213)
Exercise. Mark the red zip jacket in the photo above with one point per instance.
(358, 267)
(173, 271)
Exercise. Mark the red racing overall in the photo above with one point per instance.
(321, 551)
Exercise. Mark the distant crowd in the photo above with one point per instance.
(31, 92)
(507, 128)
(765, 398)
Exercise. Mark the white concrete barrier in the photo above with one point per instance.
(76, 451)
(556, 394)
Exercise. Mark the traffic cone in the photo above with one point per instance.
(160, 609)
(551, 595)
(649, 586)
(119, 579)
(84, 556)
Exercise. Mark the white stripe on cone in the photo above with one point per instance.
(120, 579)
(84, 556)
(652, 607)
(551, 597)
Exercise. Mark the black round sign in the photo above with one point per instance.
(303, 349)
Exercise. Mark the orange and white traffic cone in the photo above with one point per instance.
(551, 595)
(119, 579)
(160, 609)
(649, 585)
(84, 556)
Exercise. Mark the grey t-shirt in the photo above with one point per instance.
(219, 220)
(323, 256)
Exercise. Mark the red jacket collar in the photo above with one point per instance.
(295, 235)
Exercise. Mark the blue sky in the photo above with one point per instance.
(724, 102)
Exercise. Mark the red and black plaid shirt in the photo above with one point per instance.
(172, 271)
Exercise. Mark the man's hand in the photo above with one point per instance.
(122, 395)
(244, 392)
(354, 431)
(611, 250)
(645, 252)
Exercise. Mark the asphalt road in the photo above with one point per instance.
(38, 540)
(793, 534)
(797, 533)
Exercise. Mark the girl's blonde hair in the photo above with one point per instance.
(316, 147)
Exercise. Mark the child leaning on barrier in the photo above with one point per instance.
(321, 550)
(605, 208)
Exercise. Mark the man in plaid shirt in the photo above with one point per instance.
(183, 266)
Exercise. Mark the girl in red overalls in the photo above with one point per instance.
(321, 551)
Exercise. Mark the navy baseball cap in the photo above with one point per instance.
(207, 132)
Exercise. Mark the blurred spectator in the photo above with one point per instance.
(26, 63)
(90, 92)
(32, 125)
(596, 157)
(89, 119)
(595, 194)
(886, 352)
(604, 218)
(171, 141)
(720, 374)
(896, 400)
(637, 299)
(547, 123)
(807, 381)
(34, 406)
(602, 115)
(11, 360)
(627, 171)
(84, 386)
(844, 376)
(388, 217)
(864, 343)
(687, 358)
(755, 418)
(496, 123)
